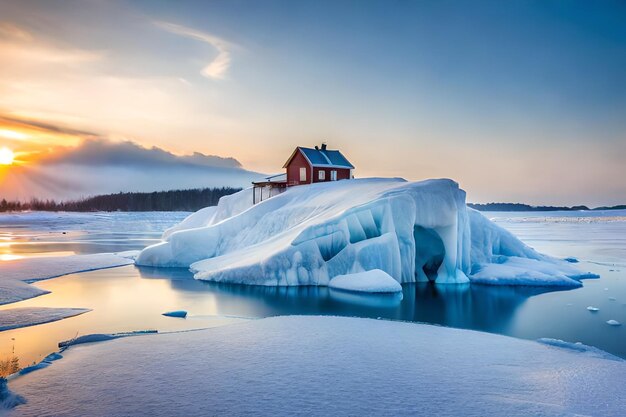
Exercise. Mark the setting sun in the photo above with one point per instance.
(6, 156)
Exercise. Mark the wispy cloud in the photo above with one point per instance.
(46, 126)
(217, 68)
(100, 151)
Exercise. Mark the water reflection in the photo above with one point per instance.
(130, 298)
(21, 247)
(366, 300)
(478, 307)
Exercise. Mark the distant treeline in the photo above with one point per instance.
(526, 207)
(176, 200)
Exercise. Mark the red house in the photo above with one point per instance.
(305, 166)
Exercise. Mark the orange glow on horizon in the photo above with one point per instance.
(27, 145)
(12, 134)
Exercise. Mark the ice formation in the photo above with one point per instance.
(413, 231)
(373, 281)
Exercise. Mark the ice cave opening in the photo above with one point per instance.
(429, 253)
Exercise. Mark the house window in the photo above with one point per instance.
(303, 174)
(322, 175)
(333, 175)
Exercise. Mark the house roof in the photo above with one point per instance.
(282, 177)
(272, 179)
(322, 158)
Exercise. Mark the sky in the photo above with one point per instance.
(518, 101)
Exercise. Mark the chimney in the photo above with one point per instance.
(323, 146)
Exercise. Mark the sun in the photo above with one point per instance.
(6, 156)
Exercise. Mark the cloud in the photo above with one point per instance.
(103, 152)
(217, 68)
(45, 126)
(92, 86)
(101, 166)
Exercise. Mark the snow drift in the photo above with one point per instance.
(413, 231)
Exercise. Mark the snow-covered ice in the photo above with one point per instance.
(7, 398)
(372, 281)
(593, 309)
(613, 323)
(200, 218)
(101, 337)
(413, 231)
(580, 347)
(31, 316)
(47, 361)
(319, 366)
(14, 275)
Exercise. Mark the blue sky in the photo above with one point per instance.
(516, 100)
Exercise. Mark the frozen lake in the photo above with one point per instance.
(130, 298)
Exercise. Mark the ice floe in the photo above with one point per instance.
(30, 316)
(372, 281)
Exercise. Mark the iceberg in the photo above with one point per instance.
(412, 231)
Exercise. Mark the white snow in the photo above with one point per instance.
(415, 231)
(30, 316)
(200, 218)
(579, 347)
(613, 323)
(373, 281)
(100, 337)
(498, 257)
(47, 361)
(15, 274)
(320, 366)
(522, 271)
